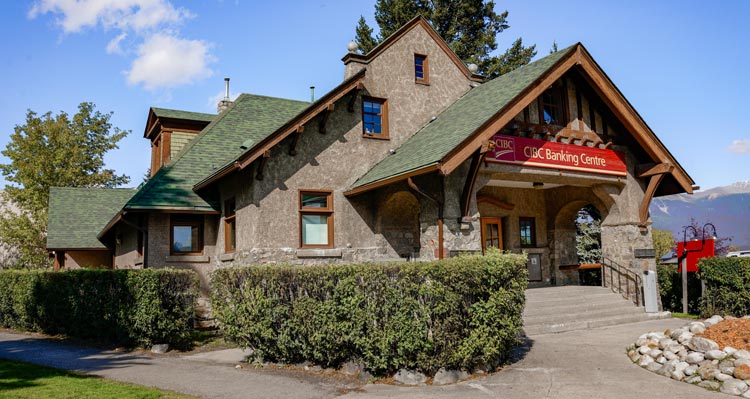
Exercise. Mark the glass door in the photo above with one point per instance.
(492, 233)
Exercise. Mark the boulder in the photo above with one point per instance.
(410, 377)
(712, 385)
(645, 360)
(654, 366)
(690, 370)
(715, 354)
(655, 353)
(712, 320)
(694, 357)
(701, 344)
(684, 337)
(697, 327)
(665, 343)
(733, 387)
(723, 377)
(160, 348)
(694, 379)
(738, 362)
(741, 354)
(669, 355)
(742, 371)
(729, 350)
(444, 377)
(644, 350)
(352, 367)
(708, 371)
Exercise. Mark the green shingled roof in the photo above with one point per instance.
(454, 125)
(250, 117)
(178, 114)
(77, 215)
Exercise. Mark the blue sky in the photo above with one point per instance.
(682, 64)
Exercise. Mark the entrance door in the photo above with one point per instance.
(492, 233)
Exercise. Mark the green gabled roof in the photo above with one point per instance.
(250, 117)
(178, 114)
(462, 118)
(76, 215)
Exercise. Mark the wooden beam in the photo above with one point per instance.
(653, 184)
(471, 178)
(390, 180)
(295, 139)
(647, 170)
(353, 98)
(262, 164)
(324, 119)
(497, 203)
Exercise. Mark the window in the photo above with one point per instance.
(316, 219)
(421, 73)
(492, 233)
(186, 234)
(552, 105)
(375, 117)
(230, 232)
(527, 227)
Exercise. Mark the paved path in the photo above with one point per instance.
(578, 364)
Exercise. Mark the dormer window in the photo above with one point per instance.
(375, 117)
(421, 73)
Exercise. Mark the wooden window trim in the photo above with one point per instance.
(425, 69)
(383, 118)
(328, 211)
(230, 219)
(186, 220)
(491, 220)
(533, 231)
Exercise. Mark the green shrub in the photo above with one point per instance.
(727, 283)
(139, 307)
(457, 313)
(670, 289)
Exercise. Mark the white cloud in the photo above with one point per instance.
(113, 47)
(136, 15)
(166, 61)
(740, 146)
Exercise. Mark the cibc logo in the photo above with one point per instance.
(503, 146)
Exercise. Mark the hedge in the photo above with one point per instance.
(670, 289)
(458, 313)
(130, 307)
(727, 283)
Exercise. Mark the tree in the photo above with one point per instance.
(589, 235)
(663, 242)
(470, 27)
(52, 151)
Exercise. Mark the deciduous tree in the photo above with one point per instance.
(52, 151)
(663, 242)
(470, 27)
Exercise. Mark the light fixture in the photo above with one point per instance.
(538, 185)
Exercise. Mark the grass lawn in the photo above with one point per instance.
(25, 380)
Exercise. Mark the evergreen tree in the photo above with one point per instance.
(52, 151)
(470, 27)
(589, 235)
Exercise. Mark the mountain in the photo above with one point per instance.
(727, 207)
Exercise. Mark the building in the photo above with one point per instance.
(412, 156)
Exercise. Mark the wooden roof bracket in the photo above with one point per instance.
(354, 95)
(295, 139)
(324, 118)
(656, 174)
(262, 164)
(471, 178)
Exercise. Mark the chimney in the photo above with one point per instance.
(225, 102)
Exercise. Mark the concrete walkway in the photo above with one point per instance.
(578, 364)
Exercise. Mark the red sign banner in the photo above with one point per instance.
(547, 154)
(694, 251)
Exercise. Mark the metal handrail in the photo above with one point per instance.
(611, 267)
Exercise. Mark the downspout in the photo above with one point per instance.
(439, 204)
(145, 239)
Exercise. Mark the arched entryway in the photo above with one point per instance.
(577, 239)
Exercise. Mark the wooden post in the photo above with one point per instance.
(684, 286)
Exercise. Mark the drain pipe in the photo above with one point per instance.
(439, 204)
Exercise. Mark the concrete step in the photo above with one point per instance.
(570, 308)
(604, 312)
(587, 324)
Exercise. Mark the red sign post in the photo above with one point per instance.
(693, 251)
(548, 154)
